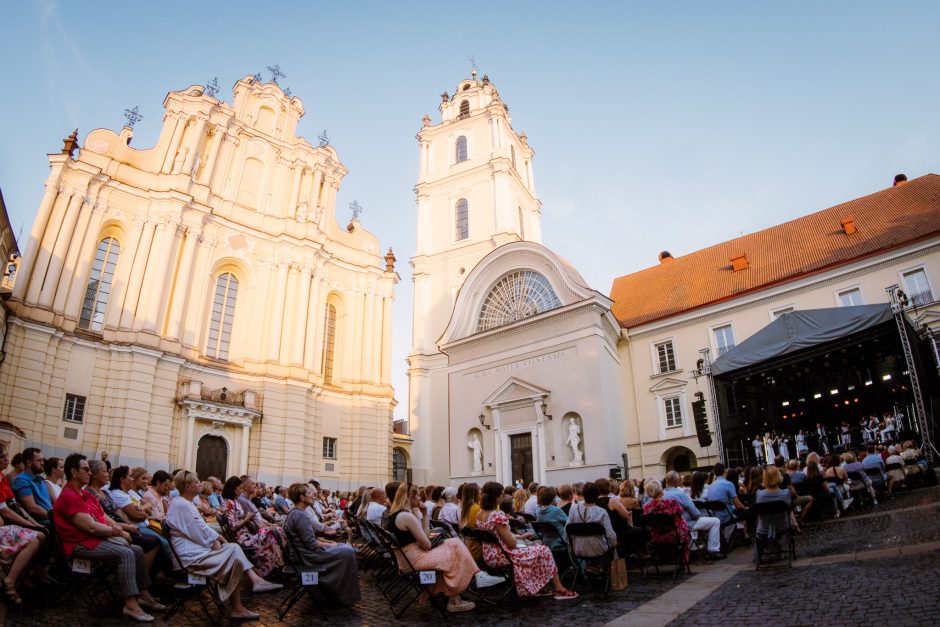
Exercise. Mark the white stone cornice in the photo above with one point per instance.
(213, 411)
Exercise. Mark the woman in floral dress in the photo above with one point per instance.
(658, 505)
(18, 547)
(263, 542)
(533, 566)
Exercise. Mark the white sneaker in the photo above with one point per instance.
(846, 503)
(485, 580)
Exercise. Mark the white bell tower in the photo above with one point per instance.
(475, 192)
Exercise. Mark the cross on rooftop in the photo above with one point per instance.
(133, 116)
(212, 87)
(324, 139)
(276, 73)
(356, 209)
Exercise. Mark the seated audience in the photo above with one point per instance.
(550, 513)
(340, 577)
(158, 497)
(895, 474)
(695, 520)
(87, 533)
(376, 508)
(564, 497)
(54, 469)
(20, 541)
(30, 488)
(281, 503)
(202, 551)
(533, 566)
(531, 505)
(698, 490)
(656, 504)
(450, 512)
(469, 508)
(264, 540)
(724, 488)
(450, 557)
(768, 526)
(588, 511)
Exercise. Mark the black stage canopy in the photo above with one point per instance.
(812, 366)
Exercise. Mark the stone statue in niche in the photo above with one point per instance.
(574, 440)
(477, 447)
(180, 159)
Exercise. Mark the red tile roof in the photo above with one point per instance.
(884, 220)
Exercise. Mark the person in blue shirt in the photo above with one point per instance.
(873, 460)
(725, 489)
(30, 487)
(693, 517)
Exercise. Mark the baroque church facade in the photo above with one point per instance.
(196, 304)
(519, 370)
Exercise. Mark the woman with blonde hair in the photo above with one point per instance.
(469, 508)
(450, 557)
(658, 505)
(519, 498)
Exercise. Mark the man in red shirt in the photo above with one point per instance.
(86, 533)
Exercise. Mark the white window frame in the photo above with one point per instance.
(847, 290)
(333, 446)
(782, 309)
(676, 402)
(923, 268)
(79, 404)
(654, 353)
(453, 228)
(714, 338)
(453, 152)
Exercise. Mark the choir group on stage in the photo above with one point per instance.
(869, 429)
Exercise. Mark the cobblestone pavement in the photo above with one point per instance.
(900, 591)
(823, 593)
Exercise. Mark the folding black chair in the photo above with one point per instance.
(877, 479)
(775, 516)
(92, 582)
(409, 575)
(301, 583)
(858, 489)
(721, 511)
(669, 544)
(199, 587)
(444, 527)
(550, 537)
(578, 535)
(484, 537)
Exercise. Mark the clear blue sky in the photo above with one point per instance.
(655, 125)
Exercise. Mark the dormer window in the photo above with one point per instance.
(461, 149)
(464, 110)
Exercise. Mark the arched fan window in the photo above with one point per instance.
(98, 289)
(517, 295)
(460, 148)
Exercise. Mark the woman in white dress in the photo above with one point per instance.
(768, 448)
(54, 468)
(784, 447)
(203, 551)
(801, 448)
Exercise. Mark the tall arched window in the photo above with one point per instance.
(517, 295)
(329, 342)
(99, 285)
(512, 154)
(223, 315)
(464, 109)
(461, 220)
(521, 223)
(461, 149)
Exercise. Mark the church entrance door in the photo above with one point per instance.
(211, 457)
(520, 446)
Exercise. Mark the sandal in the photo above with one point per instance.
(564, 595)
(9, 589)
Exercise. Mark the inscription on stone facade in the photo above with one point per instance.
(524, 363)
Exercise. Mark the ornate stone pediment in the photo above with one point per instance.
(668, 384)
(218, 412)
(514, 391)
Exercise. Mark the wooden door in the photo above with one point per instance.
(521, 450)
(211, 457)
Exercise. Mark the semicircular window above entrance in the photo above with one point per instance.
(517, 295)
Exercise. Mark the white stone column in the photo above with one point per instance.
(386, 345)
(156, 276)
(243, 450)
(277, 312)
(79, 234)
(47, 242)
(195, 320)
(190, 444)
(290, 311)
(142, 255)
(357, 335)
(174, 143)
(317, 315)
(194, 149)
(217, 178)
(302, 322)
(297, 175)
(84, 256)
(212, 156)
(180, 289)
(57, 261)
(314, 199)
(35, 237)
(368, 339)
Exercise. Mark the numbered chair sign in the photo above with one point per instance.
(309, 578)
(196, 580)
(428, 576)
(81, 566)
